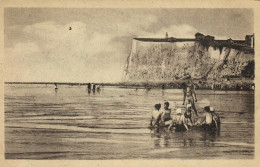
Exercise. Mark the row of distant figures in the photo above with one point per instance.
(90, 88)
(93, 88)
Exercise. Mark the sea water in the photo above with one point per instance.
(71, 123)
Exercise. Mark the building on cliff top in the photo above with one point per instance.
(250, 40)
(207, 39)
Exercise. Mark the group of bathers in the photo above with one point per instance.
(183, 119)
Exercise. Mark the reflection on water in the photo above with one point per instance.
(73, 123)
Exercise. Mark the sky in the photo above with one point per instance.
(40, 47)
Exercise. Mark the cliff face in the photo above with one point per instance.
(169, 61)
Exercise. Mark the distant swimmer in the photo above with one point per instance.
(56, 88)
(98, 89)
(189, 97)
(163, 86)
(148, 88)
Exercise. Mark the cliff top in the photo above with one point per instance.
(246, 45)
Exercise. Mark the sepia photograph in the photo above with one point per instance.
(129, 83)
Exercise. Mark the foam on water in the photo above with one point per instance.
(165, 150)
(79, 129)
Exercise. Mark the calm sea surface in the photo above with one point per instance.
(113, 124)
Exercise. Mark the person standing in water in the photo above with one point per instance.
(98, 89)
(94, 88)
(89, 86)
(189, 97)
(56, 88)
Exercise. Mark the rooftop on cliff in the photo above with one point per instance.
(246, 45)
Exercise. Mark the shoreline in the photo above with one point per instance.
(229, 85)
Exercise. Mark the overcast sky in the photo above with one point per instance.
(40, 47)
